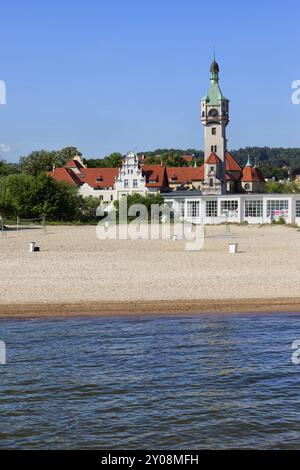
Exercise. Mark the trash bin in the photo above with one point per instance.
(233, 247)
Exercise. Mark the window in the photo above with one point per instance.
(213, 148)
(212, 168)
(111, 197)
(253, 208)
(211, 209)
(193, 208)
(277, 208)
(213, 112)
(229, 207)
(213, 131)
(126, 184)
(211, 182)
(181, 209)
(101, 197)
(297, 208)
(135, 183)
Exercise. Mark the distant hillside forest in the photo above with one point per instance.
(277, 163)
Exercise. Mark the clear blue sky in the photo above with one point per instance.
(111, 75)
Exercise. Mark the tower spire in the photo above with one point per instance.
(214, 71)
(249, 163)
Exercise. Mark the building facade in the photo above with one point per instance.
(235, 208)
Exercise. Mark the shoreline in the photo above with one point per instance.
(148, 307)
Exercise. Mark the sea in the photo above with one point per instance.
(224, 381)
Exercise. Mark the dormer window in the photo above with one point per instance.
(99, 179)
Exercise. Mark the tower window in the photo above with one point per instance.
(213, 131)
(203, 113)
(211, 182)
(213, 112)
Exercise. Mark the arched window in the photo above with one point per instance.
(213, 112)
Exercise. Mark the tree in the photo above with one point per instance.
(114, 160)
(26, 196)
(8, 168)
(86, 209)
(137, 198)
(68, 153)
(288, 187)
(43, 160)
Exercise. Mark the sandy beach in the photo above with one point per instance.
(76, 274)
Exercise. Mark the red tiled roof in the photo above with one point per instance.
(106, 177)
(213, 159)
(251, 174)
(188, 157)
(185, 174)
(73, 164)
(67, 175)
(231, 163)
(155, 175)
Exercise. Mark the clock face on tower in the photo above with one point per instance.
(213, 112)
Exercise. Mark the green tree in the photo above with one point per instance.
(137, 198)
(86, 209)
(26, 196)
(8, 168)
(288, 187)
(43, 160)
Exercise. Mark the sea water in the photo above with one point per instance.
(190, 382)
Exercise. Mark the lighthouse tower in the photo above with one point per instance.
(214, 117)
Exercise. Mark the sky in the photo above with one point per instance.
(117, 75)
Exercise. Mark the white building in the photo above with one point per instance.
(111, 184)
(235, 208)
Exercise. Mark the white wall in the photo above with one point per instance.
(240, 216)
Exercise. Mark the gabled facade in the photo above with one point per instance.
(110, 184)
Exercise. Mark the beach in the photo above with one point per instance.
(75, 273)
